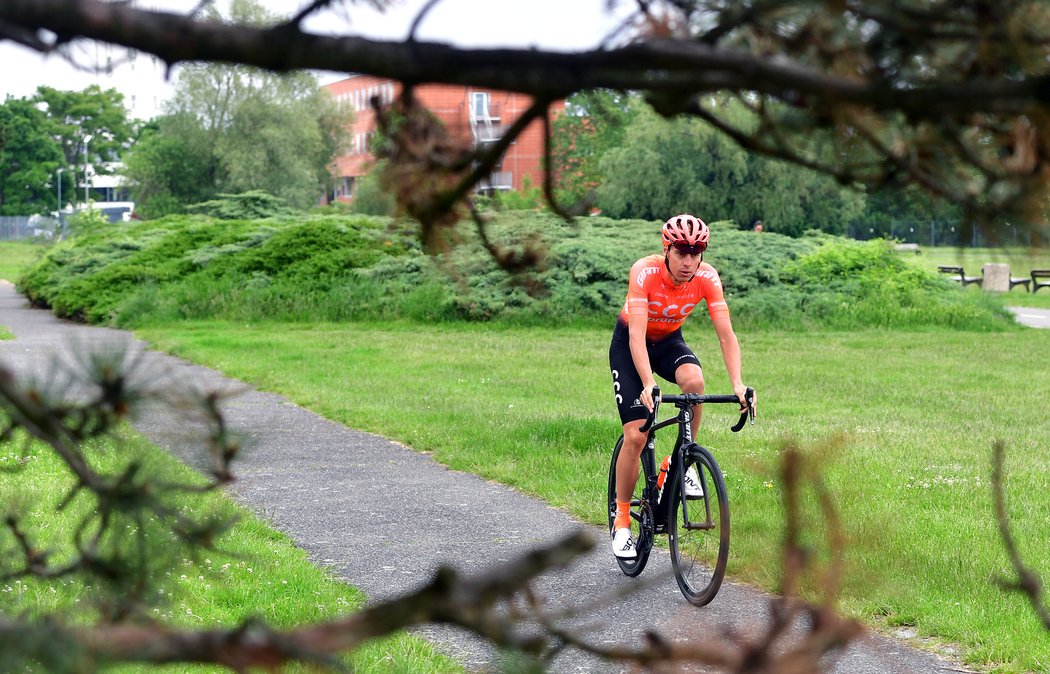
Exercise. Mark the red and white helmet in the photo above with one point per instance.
(686, 230)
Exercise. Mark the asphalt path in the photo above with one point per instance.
(385, 517)
(1033, 318)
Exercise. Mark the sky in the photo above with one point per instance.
(563, 25)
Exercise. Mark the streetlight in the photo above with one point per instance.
(59, 171)
(87, 139)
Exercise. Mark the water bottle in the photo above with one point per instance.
(662, 477)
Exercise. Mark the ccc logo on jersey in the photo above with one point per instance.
(673, 311)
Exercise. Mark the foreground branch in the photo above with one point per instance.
(449, 598)
(1027, 582)
(677, 66)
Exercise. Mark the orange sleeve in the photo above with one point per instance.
(713, 294)
(638, 288)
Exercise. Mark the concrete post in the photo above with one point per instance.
(996, 278)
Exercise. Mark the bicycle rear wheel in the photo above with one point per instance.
(699, 532)
(642, 524)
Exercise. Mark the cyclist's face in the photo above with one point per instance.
(682, 265)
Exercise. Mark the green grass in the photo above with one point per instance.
(255, 572)
(532, 408)
(1021, 261)
(17, 256)
(5, 333)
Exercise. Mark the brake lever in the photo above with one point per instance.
(651, 419)
(749, 411)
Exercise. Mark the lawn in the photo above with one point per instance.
(16, 256)
(254, 572)
(913, 416)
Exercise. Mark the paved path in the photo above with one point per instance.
(385, 517)
(1033, 318)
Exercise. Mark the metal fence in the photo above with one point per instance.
(941, 233)
(26, 226)
(14, 227)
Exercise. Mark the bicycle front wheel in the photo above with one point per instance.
(642, 524)
(698, 527)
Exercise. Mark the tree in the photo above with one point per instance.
(29, 157)
(671, 166)
(237, 129)
(233, 129)
(92, 113)
(170, 165)
(46, 133)
(595, 122)
(369, 197)
(948, 97)
(790, 200)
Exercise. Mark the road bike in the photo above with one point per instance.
(695, 520)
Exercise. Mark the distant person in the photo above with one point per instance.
(663, 290)
(758, 226)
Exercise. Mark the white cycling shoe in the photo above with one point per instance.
(692, 484)
(623, 545)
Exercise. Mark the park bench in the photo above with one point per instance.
(1021, 281)
(960, 274)
(1038, 274)
(907, 248)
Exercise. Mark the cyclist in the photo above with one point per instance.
(663, 291)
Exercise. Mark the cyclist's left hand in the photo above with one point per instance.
(740, 390)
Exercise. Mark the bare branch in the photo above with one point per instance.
(656, 65)
(294, 22)
(419, 18)
(1028, 582)
(468, 602)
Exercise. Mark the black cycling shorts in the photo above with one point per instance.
(665, 356)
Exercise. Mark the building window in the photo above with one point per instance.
(479, 104)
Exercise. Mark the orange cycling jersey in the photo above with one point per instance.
(653, 293)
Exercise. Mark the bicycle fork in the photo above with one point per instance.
(684, 447)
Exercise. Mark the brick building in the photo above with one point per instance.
(476, 116)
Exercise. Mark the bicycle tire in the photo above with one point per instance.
(699, 556)
(642, 524)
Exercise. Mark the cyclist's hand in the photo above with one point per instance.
(741, 390)
(647, 396)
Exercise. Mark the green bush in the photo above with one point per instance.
(370, 198)
(86, 220)
(845, 284)
(333, 267)
(244, 206)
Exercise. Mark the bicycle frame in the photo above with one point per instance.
(683, 442)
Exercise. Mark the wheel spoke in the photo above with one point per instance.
(642, 523)
(700, 531)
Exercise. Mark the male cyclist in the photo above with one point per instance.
(663, 291)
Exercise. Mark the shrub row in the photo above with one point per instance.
(345, 267)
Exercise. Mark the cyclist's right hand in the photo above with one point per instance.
(654, 395)
(648, 394)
